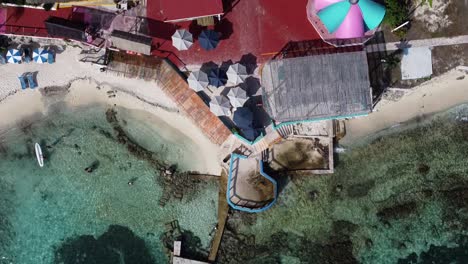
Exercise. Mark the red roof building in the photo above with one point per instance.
(184, 10)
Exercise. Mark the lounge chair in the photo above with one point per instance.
(50, 57)
(32, 83)
(24, 85)
(27, 55)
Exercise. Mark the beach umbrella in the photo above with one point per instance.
(40, 55)
(236, 74)
(209, 39)
(182, 39)
(217, 77)
(349, 18)
(198, 80)
(13, 56)
(237, 96)
(243, 118)
(220, 106)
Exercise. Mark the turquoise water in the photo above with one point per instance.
(401, 197)
(41, 209)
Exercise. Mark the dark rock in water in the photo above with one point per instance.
(457, 197)
(427, 193)
(423, 169)
(342, 227)
(238, 218)
(191, 246)
(234, 250)
(338, 188)
(313, 195)
(117, 245)
(369, 243)
(360, 190)
(397, 211)
(441, 254)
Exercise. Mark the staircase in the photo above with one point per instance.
(285, 131)
(260, 146)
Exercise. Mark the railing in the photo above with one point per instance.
(26, 31)
(276, 127)
(242, 204)
(246, 141)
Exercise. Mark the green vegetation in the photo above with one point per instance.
(397, 12)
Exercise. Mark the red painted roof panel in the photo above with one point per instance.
(182, 9)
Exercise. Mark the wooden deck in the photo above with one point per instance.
(223, 210)
(174, 84)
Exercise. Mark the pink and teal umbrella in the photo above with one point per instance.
(349, 18)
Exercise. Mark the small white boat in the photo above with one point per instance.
(40, 158)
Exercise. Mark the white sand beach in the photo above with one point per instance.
(87, 85)
(436, 95)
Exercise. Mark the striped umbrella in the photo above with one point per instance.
(13, 56)
(40, 55)
(349, 18)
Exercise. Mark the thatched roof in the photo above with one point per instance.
(315, 87)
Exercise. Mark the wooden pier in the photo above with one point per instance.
(223, 209)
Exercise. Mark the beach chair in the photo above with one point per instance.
(32, 83)
(2, 59)
(27, 55)
(50, 57)
(24, 85)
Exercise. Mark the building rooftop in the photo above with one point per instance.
(317, 87)
(179, 10)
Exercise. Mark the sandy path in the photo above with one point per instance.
(436, 95)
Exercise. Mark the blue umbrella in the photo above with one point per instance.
(243, 118)
(13, 56)
(217, 77)
(40, 55)
(209, 39)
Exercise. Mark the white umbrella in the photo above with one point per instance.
(198, 80)
(237, 73)
(40, 55)
(182, 39)
(237, 96)
(220, 106)
(13, 56)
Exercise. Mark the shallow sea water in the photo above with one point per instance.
(41, 208)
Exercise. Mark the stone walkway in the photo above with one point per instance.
(434, 42)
